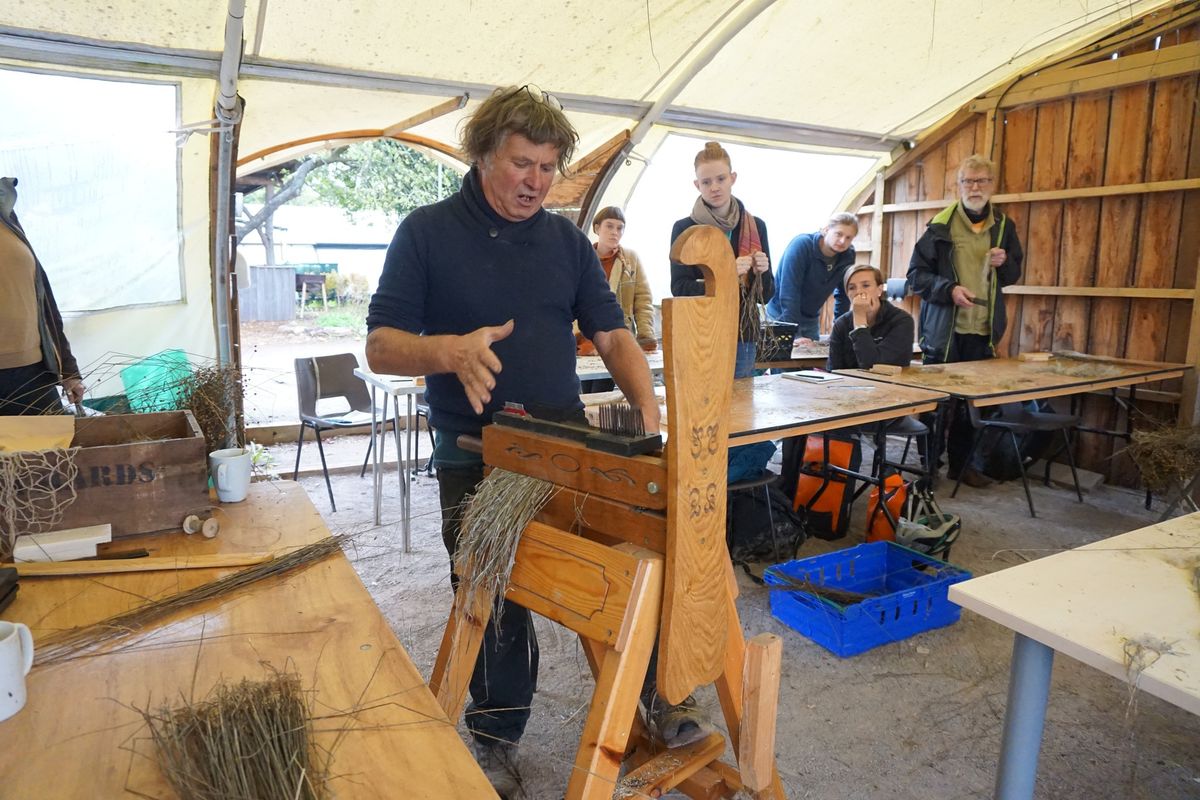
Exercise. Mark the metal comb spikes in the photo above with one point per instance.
(622, 419)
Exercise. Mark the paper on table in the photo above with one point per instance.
(812, 376)
(36, 432)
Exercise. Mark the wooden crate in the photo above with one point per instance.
(139, 472)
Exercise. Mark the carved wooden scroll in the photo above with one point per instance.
(699, 336)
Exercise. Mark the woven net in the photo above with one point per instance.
(35, 489)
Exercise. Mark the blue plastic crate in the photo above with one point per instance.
(911, 597)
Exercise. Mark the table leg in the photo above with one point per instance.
(410, 464)
(1028, 691)
(376, 443)
(401, 470)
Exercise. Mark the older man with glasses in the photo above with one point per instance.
(479, 293)
(969, 251)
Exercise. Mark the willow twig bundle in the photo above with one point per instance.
(249, 740)
(492, 524)
(72, 643)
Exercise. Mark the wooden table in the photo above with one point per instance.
(1091, 603)
(75, 735)
(814, 355)
(774, 406)
(591, 368)
(1009, 380)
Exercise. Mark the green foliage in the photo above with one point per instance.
(381, 175)
(348, 315)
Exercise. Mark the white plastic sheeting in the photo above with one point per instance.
(100, 203)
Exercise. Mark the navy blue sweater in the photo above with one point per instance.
(456, 266)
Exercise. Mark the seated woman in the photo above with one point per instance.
(873, 331)
(747, 234)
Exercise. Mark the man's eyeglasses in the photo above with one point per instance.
(538, 95)
(975, 182)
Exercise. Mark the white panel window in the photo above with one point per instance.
(98, 191)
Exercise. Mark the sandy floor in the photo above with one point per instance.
(917, 719)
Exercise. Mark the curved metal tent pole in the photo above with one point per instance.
(686, 72)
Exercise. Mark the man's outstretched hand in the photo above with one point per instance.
(476, 365)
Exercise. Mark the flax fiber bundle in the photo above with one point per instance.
(1166, 456)
(492, 523)
(248, 741)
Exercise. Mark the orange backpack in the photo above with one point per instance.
(827, 497)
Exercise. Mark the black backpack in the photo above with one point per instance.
(753, 521)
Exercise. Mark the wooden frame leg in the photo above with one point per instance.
(619, 675)
(760, 707)
(450, 679)
(730, 690)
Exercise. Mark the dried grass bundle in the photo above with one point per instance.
(492, 524)
(35, 489)
(210, 393)
(1165, 456)
(251, 741)
(73, 643)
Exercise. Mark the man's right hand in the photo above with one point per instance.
(472, 360)
(962, 296)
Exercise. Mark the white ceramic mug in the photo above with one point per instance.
(230, 470)
(16, 659)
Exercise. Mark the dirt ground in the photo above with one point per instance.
(913, 720)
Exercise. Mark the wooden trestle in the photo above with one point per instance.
(632, 550)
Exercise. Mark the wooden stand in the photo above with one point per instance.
(646, 561)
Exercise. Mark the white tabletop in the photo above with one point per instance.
(590, 368)
(1095, 603)
(392, 384)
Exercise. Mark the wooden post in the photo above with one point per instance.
(760, 706)
(877, 249)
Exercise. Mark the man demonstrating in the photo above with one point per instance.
(811, 269)
(968, 252)
(874, 331)
(479, 293)
(34, 353)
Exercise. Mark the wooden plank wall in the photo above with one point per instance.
(1147, 132)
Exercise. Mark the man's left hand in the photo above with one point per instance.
(997, 256)
(74, 389)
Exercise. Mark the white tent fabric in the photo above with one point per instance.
(883, 69)
(859, 75)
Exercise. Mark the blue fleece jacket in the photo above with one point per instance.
(457, 265)
(805, 281)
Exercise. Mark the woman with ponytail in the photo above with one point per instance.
(747, 236)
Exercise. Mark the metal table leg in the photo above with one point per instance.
(1028, 691)
(376, 443)
(410, 464)
(401, 470)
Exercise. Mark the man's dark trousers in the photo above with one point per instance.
(503, 681)
(963, 347)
